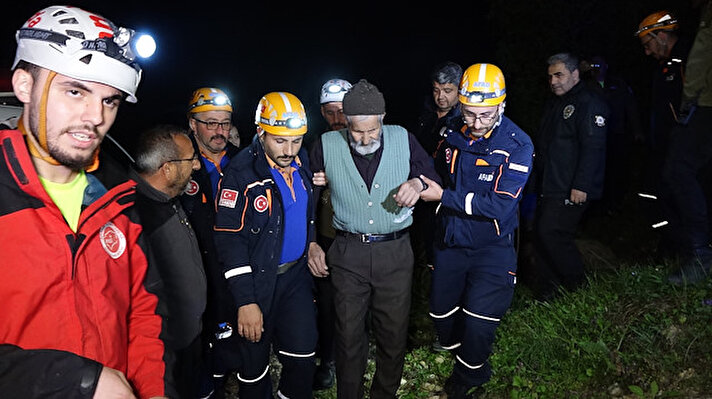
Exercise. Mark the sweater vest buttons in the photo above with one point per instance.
(370, 221)
(370, 203)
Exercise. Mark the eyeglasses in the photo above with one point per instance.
(484, 119)
(213, 125)
(193, 159)
(646, 45)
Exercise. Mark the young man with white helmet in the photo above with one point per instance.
(80, 300)
(264, 233)
(331, 100)
(485, 161)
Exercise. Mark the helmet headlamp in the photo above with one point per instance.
(335, 89)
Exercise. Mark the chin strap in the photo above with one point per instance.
(42, 134)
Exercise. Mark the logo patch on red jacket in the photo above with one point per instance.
(192, 188)
(112, 240)
(261, 204)
(228, 198)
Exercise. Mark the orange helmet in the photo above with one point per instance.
(209, 99)
(282, 114)
(482, 85)
(661, 20)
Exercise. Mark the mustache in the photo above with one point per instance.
(88, 127)
(218, 136)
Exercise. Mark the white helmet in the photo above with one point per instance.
(81, 45)
(334, 90)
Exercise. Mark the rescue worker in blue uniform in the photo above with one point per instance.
(264, 229)
(485, 163)
(209, 119)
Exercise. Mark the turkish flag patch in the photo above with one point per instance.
(228, 198)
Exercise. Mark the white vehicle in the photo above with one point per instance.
(10, 107)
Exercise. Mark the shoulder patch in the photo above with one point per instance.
(261, 203)
(192, 188)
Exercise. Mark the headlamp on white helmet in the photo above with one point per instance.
(85, 46)
(334, 90)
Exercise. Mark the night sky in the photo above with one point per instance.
(256, 49)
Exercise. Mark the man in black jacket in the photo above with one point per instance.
(165, 159)
(569, 168)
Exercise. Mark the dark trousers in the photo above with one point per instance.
(290, 331)
(186, 373)
(376, 278)
(326, 315)
(558, 260)
(471, 291)
(690, 152)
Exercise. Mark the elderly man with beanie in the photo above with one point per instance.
(373, 173)
(264, 231)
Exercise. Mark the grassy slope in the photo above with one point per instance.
(628, 333)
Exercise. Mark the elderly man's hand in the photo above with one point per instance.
(408, 193)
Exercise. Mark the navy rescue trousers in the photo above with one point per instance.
(290, 331)
(690, 152)
(471, 290)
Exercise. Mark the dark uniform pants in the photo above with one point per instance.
(691, 152)
(326, 316)
(290, 331)
(373, 277)
(558, 261)
(471, 291)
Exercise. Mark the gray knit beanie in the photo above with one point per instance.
(364, 99)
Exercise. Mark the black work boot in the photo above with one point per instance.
(324, 376)
(455, 390)
(694, 270)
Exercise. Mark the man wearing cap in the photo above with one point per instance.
(210, 121)
(373, 172)
(80, 303)
(264, 232)
(332, 109)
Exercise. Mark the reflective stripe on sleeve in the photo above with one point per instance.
(468, 203)
(238, 271)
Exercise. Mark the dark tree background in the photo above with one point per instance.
(250, 49)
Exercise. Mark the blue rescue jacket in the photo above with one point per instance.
(249, 225)
(483, 182)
